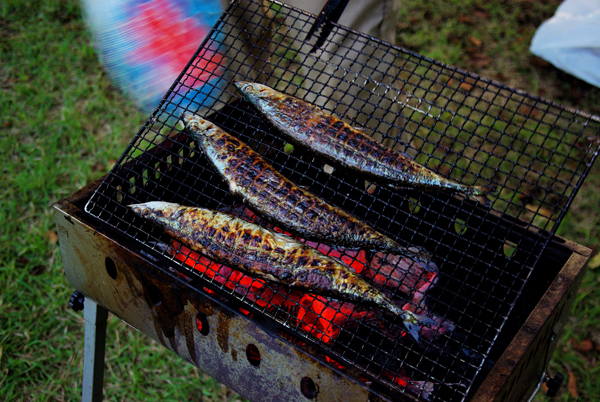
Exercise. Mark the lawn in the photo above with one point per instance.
(63, 124)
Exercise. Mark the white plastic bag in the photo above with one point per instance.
(571, 39)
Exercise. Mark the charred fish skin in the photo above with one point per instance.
(332, 138)
(269, 255)
(273, 195)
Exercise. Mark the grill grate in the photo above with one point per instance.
(472, 130)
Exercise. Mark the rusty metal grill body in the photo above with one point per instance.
(158, 298)
(467, 128)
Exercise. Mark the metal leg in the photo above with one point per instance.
(93, 351)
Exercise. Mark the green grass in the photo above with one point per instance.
(62, 125)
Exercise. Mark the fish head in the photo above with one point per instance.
(196, 125)
(253, 92)
(155, 211)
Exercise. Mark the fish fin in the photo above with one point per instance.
(401, 188)
(160, 246)
(412, 329)
(427, 264)
(370, 254)
(480, 194)
(413, 323)
(425, 321)
(420, 256)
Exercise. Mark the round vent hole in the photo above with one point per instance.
(253, 355)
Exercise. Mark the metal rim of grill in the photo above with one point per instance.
(470, 129)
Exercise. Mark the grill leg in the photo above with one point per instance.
(93, 351)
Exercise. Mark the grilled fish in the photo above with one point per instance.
(350, 148)
(268, 255)
(269, 192)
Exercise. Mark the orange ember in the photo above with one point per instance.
(334, 363)
(399, 379)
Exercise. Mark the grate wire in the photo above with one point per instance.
(462, 126)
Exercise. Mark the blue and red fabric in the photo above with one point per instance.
(145, 44)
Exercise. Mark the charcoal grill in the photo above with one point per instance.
(505, 280)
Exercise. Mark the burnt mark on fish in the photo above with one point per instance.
(211, 231)
(258, 165)
(315, 280)
(282, 191)
(330, 131)
(353, 142)
(338, 125)
(343, 135)
(364, 148)
(232, 163)
(247, 236)
(302, 260)
(256, 241)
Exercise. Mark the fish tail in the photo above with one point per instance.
(419, 256)
(481, 193)
(413, 323)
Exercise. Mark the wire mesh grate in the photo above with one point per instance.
(456, 123)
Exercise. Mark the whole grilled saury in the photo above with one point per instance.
(274, 196)
(268, 255)
(351, 148)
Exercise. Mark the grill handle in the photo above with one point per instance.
(331, 12)
(554, 384)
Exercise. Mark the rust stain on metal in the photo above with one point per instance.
(167, 302)
(206, 308)
(234, 354)
(223, 331)
(188, 324)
